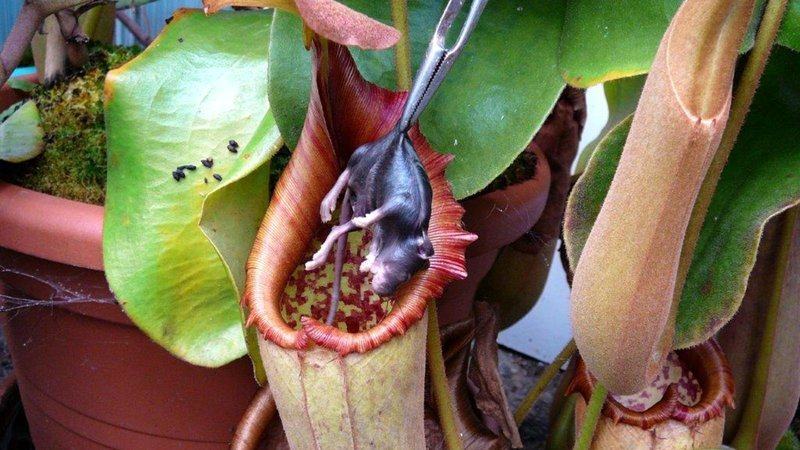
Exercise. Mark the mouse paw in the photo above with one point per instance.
(326, 210)
(316, 261)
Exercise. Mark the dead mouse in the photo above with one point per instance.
(390, 193)
(386, 184)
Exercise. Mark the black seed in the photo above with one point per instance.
(208, 162)
(233, 144)
(180, 39)
(187, 167)
(206, 180)
(218, 177)
(233, 149)
(168, 20)
(177, 174)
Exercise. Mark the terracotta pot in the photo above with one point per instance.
(88, 377)
(531, 210)
(498, 218)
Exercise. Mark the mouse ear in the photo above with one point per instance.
(424, 247)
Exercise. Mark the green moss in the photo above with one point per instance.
(73, 164)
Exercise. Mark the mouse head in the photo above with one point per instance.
(398, 261)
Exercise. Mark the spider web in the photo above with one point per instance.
(60, 292)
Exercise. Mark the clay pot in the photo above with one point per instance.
(88, 377)
(13, 426)
(528, 211)
(498, 218)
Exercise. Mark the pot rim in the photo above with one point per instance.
(46, 226)
(52, 228)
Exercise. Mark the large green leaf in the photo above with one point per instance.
(505, 84)
(607, 40)
(761, 179)
(232, 228)
(495, 98)
(179, 102)
(789, 34)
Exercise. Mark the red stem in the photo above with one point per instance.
(29, 20)
(75, 39)
(134, 28)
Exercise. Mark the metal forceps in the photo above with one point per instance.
(439, 59)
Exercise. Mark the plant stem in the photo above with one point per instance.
(547, 376)
(742, 99)
(138, 33)
(590, 417)
(747, 435)
(439, 385)
(74, 37)
(402, 51)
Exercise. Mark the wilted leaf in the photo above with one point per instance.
(488, 101)
(622, 292)
(762, 178)
(179, 102)
(20, 132)
(482, 414)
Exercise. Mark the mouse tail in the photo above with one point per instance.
(338, 262)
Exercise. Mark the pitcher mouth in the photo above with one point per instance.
(705, 363)
(287, 303)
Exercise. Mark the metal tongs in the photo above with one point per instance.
(439, 59)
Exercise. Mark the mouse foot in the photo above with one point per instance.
(366, 265)
(317, 261)
(326, 209)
